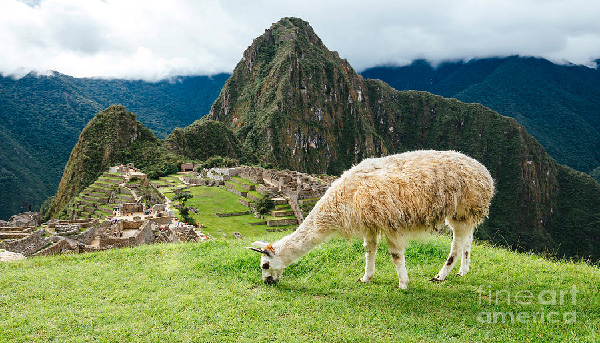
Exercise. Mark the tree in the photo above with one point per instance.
(183, 197)
(184, 211)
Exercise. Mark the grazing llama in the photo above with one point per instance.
(397, 196)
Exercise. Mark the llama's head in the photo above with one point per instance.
(271, 264)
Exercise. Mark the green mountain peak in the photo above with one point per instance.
(113, 136)
(289, 81)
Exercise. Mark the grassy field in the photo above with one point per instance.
(212, 292)
(211, 200)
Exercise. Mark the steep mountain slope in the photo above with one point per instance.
(297, 105)
(112, 137)
(290, 99)
(44, 115)
(18, 185)
(559, 105)
(204, 139)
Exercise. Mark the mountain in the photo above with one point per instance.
(558, 104)
(114, 136)
(42, 116)
(293, 103)
(204, 139)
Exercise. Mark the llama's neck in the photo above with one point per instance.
(308, 236)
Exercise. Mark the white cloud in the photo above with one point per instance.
(154, 39)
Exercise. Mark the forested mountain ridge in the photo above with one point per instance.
(558, 104)
(293, 103)
(41, 117)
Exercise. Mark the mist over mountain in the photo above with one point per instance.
(41, 118)
(558, 104)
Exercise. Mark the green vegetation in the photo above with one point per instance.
(204, 139)
(211, 200)
(213, 292)
(42, 116)
(558, 104)
(182, 197)
(596, 174)
(264, 205)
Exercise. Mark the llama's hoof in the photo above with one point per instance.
(403, 286)
(436, 279)
(459, 274)
(363, 280)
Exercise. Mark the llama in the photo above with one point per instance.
(397, 196)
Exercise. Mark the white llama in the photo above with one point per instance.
(396, 196)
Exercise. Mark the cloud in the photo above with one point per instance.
(152, 39)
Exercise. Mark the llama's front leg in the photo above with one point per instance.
(397, 247)
(458, 241)
(370, 245)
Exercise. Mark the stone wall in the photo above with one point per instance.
(25, 219)
(146, 234)
(232, 214)
(252, 174)
(281, 222)
(245, 202)
(132, 207)
(28, 245)
(59, 247)
(128, 224)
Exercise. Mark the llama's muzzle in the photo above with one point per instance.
(269, 280)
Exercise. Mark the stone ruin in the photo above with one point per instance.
(77, 236)
(25, 219)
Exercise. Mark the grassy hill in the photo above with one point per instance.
(212, 292)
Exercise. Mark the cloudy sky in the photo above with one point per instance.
(153, 39)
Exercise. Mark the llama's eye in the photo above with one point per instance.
(265, 265)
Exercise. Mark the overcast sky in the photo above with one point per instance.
(153, 39)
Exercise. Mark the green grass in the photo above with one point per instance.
(173, 179)
(211, 200)
(243, 181)
(212, 292)
(159, 182)
(236, 186)
(255, 194)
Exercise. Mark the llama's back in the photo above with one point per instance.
(410, 191)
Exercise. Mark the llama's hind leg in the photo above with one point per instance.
(397, 247)
(370, 245)
(466, 256)
(462, 233)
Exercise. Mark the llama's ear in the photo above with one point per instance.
(255, 249)
(260, 244)
(262, 251)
